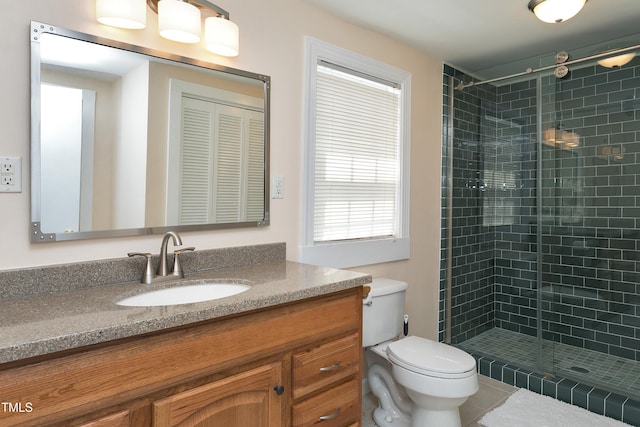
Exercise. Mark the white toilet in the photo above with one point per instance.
(418, 382)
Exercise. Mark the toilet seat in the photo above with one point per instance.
(431, 358)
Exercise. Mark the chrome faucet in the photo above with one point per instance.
(163, 272)
(163, 262)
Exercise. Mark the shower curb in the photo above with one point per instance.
(596, 400)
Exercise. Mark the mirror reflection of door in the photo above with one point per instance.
(67, 126)
(216, 160)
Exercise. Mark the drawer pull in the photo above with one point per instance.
(330, 368)
(330, 417)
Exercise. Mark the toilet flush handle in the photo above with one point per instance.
(406, 325)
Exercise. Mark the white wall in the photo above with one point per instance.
(130, 163)
(271, 42)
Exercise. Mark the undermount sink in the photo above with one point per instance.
(184, 293)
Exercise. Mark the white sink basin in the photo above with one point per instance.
(184, 294)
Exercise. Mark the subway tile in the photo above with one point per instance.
(485, 367)
(522, 379)
(535, 382)
(509, 374)
(565, 389)
(550, 387)
(631, 412)
(596, 401)
(496, 370)
(613, 406)
(608, 203)
(580, 395)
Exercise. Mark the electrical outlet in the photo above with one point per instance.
(277, 187)
(8, 167)
(10, 174)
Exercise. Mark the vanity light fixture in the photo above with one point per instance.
(556, 11)
(178, 20)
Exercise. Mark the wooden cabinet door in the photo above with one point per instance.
(245, 399)
(120, 419)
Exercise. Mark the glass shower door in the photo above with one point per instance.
(590, 217)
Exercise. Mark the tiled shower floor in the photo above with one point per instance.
(612, 372)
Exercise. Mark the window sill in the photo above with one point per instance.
(357, 253)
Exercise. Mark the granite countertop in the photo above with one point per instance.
(49, 322)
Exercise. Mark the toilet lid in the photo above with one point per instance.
(430, 358)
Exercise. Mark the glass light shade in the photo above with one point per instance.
(562, 139)
(555, 11)
(221, 36)
(130, 14)
(617, 61)
(179, 21)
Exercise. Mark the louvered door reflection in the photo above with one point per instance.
(221, 165)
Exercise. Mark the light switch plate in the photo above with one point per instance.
(277, 187)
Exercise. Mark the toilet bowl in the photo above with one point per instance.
(437, 377)
(418, 382)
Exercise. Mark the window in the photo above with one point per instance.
(357, 163)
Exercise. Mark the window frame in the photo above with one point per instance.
(351, 253)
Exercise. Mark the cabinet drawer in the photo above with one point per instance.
(321, 366)
(338, 406)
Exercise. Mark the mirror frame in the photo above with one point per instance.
(36, 234)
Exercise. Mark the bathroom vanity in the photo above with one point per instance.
(287, 352)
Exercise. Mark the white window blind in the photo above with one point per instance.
(357, 130)
(357, 156)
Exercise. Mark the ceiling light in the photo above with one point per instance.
(129, 14)
(555, 11)
(178, 20)
(617, 61)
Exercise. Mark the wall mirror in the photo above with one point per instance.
(130, 141)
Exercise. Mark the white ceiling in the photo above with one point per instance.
(478, 35)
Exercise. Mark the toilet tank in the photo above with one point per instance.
(383, 311)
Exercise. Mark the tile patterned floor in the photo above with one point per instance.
(492, 394)
(612, 372)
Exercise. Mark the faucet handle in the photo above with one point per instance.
(177, 266)
(147, 274)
